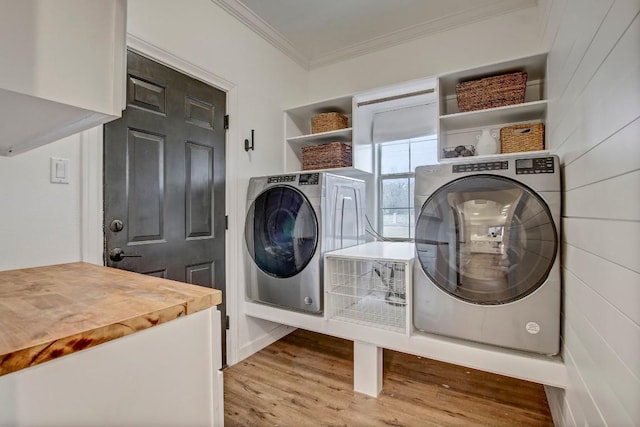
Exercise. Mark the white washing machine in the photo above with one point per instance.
(291, 221)
(487, 252)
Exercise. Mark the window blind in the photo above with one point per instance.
(404, 123)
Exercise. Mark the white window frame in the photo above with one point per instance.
(380, 177)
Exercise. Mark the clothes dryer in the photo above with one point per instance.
(291, 221)
(487, 251)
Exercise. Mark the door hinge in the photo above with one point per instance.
(226, 222)
(226, 121)
(226, 323)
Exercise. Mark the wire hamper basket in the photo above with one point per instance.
(368, 292)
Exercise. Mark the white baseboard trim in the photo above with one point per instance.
(555, 398)
(264, 341)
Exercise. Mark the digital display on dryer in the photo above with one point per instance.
(309, 179)
(524, 163)
(535, 165)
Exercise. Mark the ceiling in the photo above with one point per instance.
(320, 32)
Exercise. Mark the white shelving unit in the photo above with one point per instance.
(365, 306)
(370, 285)
(456, 128)
(368, 335)
(297, 125)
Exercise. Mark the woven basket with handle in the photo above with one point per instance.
(524, 137)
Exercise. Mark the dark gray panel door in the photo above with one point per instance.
(164, 183)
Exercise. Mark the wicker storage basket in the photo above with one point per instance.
(326, 156)
(326, 122)
(490, 92)
(524, 137)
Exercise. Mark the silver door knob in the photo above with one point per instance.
(116, 225)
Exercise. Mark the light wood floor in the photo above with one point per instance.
(306, 379)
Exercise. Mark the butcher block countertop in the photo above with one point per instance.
(48, 312)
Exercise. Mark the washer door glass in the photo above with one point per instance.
(281, 231)
(486, 239)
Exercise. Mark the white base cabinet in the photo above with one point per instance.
(166, 375)
(63, 69)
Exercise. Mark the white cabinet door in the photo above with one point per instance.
(64, 69)
(165, 375)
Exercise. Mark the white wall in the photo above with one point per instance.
(594, 126)
(493, 40)
(40, 221)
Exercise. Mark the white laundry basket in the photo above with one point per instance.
(370, 285)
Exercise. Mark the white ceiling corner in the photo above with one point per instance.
(314, 45)
(420, 30)
(245, 15)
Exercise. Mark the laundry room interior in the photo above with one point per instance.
(411, 212)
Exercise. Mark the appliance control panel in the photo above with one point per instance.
(309, 179)
(281, 178)
(481, 167)
(535, 165)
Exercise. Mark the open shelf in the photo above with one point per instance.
(297, 130)
(297, 143)
(461, 128)
(529, 111)
(343, 135)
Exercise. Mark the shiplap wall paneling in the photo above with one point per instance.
(615, 157)
(623, 292)
(594, 126)
(617, 198)
(601, 98)
(608, 370)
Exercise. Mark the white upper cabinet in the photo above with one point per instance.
(461, 128)
(63, 69)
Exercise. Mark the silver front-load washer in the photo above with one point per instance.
(487, 251)
(291, 221)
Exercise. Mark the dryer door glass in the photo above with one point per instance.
(486, 239)
(281, 231)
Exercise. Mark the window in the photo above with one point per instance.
(397, 161)
(402, 123)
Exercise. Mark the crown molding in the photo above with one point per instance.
(245, 15)
(237, 9)
(420, 30)
(158, 54)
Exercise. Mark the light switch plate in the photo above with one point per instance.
(59, 170)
